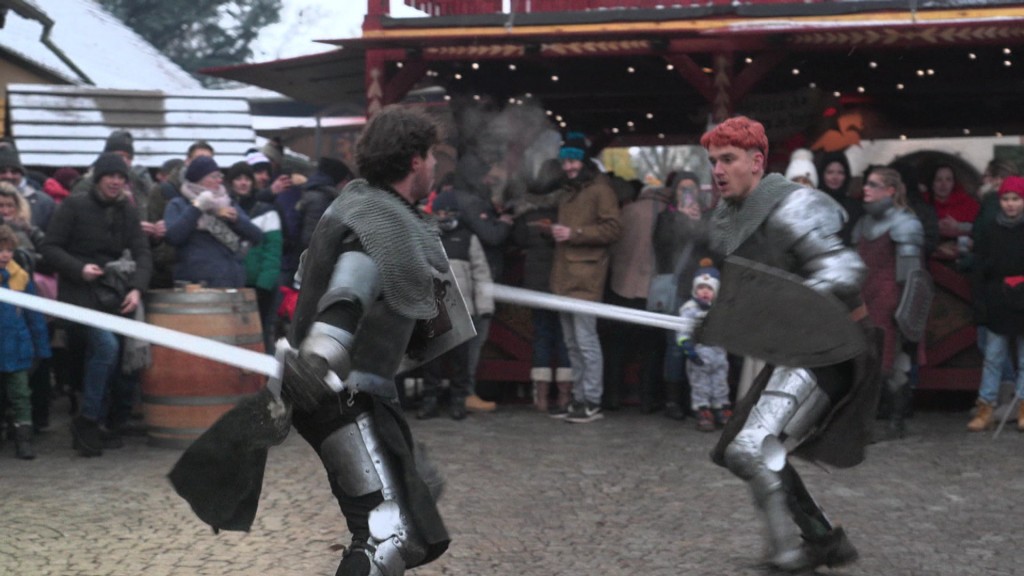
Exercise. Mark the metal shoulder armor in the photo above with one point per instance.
(809, 223)
(907, 233)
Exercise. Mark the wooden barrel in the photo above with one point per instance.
(182, 395)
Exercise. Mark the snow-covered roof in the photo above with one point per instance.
(58, 126)
(107, 52)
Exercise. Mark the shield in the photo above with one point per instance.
(771, 314)
(452, 325)
(915, 304)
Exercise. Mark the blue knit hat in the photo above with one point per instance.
(574, 147)
(200, 167)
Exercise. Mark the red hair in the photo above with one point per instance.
(741, 132)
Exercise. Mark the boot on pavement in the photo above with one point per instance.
(428, 408)
(475, 403)
(86, 439)
(983, 419)
(23, 442)
(540, 395)
(541, 378)
(560, 409)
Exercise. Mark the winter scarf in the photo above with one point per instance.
(210, 201)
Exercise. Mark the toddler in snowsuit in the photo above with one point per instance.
(707, 367)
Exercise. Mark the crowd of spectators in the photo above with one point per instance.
(572, 231)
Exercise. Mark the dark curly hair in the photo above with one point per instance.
(389, 142)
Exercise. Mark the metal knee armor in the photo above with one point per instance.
(786, 413)
(360, 465)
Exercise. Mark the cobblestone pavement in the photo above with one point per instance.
(528, 495)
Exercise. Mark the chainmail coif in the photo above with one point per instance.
(406, 248)
(732, 223)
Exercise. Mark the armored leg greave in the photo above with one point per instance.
(384, 540)
(900, 395)
(790, 406)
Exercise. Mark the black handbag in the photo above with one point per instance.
(663, 292)
(112, 288)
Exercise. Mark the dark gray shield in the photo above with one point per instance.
(452, 326)
(915, 305)
(770, 314)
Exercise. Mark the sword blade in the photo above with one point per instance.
(189, 343)
(534, 299)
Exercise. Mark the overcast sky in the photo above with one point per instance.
(303, 21)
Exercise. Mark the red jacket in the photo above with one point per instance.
(960, 205)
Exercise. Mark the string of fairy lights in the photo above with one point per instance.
(461, 71)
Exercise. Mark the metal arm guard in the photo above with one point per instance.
(360, 465)
(324, 357)
(810, 222)
(355, 278)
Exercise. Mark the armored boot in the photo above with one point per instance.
(23, 442)
(785, 549)
(899, 391)
(833, 550)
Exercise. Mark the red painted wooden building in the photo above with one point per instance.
(821, 74)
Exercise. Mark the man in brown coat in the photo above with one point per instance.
(588, 222)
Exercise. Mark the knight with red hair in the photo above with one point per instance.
(810, 402)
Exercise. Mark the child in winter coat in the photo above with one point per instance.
(23, 340)
(999, 281)
(471, 271)
(707, 367)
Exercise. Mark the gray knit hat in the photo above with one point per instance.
(120, 141)
(9, 158)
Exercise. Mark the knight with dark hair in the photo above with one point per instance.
(367, 300)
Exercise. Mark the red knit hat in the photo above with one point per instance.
(1012, 185)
